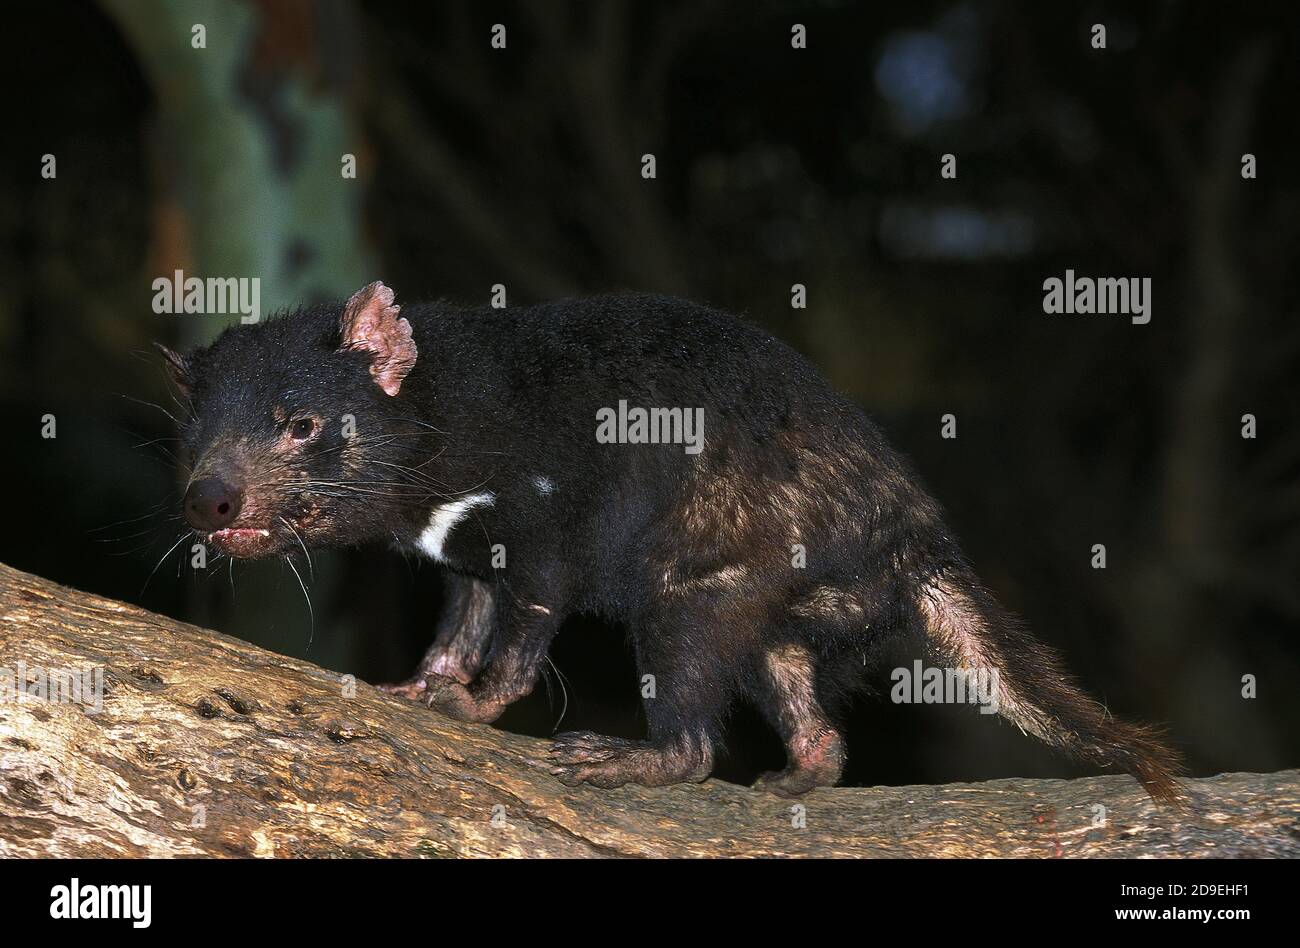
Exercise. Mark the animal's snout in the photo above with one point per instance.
(211, 504)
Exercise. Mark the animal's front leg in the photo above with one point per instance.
(692, 691)
(462, 641)
(525, 629)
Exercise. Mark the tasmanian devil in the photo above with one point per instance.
(647, 459)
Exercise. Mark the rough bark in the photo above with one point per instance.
(206, 745)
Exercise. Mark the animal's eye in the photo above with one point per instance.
(302, 428)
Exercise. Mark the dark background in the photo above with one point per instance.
(775, 166)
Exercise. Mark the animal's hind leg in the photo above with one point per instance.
(814, 748)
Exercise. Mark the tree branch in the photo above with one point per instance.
(205, 745)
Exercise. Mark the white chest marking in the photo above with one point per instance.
(444, 518)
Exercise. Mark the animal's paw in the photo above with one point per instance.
(607, 762)
(456, 701)
(412, 689)
(818, 762)
(791, 782)
(439, 663)
(583, 756)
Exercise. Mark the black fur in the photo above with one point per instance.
(696, 553)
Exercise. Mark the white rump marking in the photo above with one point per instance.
(444, 518)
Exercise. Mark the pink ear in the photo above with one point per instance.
(370, 324)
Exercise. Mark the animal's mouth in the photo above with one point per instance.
(244, 541)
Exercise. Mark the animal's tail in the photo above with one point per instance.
(967, 627)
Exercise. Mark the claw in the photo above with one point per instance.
(411, 689)
(609, 762)
(456, 701)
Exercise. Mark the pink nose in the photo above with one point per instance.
(211, 504)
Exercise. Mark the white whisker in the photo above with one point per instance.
(310, 565)
(311, 613)
(179, 541)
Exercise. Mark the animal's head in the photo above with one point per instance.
(297, 428)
